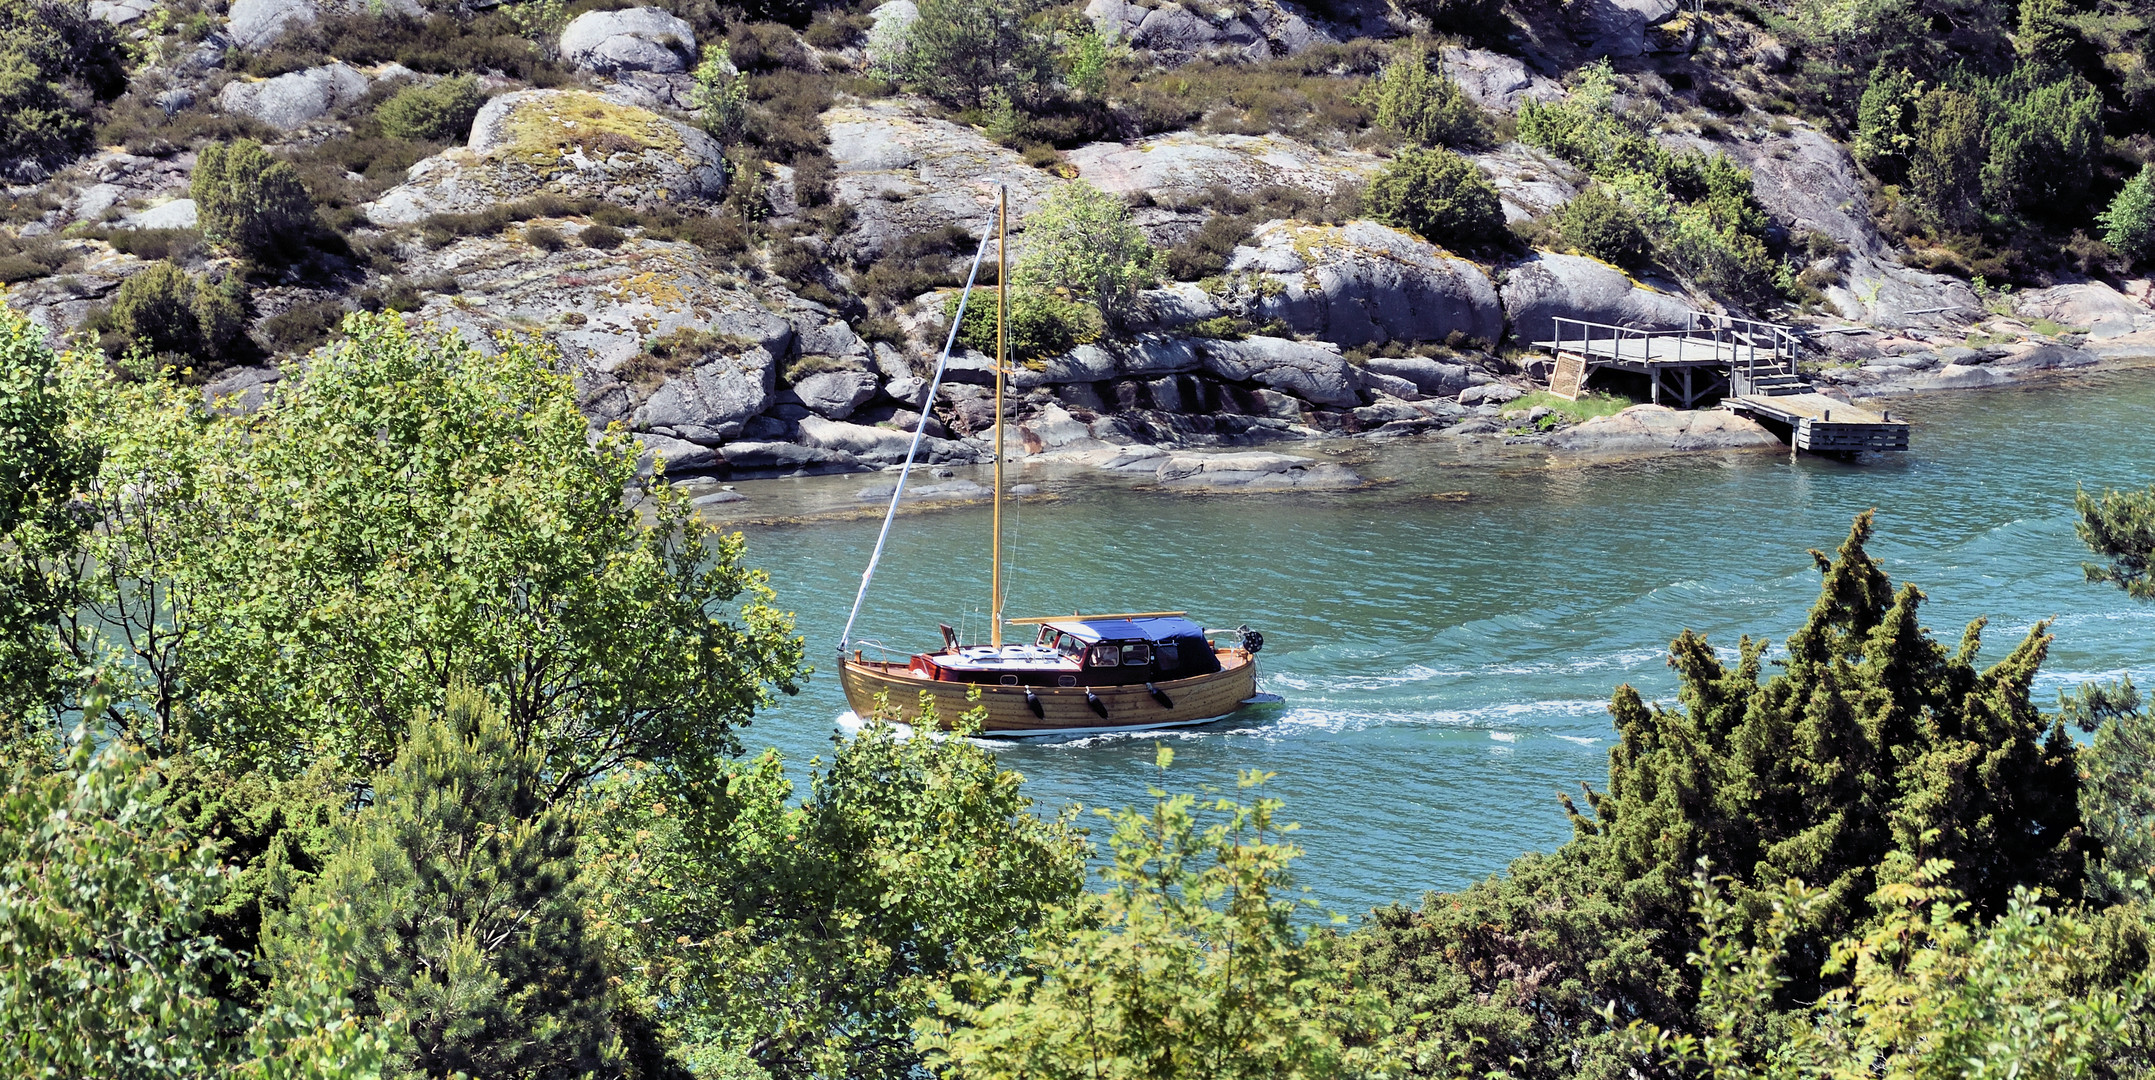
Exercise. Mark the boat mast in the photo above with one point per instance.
(1002, 358)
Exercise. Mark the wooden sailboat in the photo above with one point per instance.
(1081, 674)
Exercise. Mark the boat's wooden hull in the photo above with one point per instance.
(1064, 710)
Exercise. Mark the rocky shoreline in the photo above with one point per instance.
(732, 364)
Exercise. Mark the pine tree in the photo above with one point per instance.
(1874, 752)
(1874, 740)
(463, 887)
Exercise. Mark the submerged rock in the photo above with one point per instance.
(1646, 428)
(1253, 472)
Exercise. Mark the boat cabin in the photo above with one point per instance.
(1116, 651)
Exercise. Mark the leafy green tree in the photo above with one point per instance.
(105, 969)
(1874, 748)
(809, 936)
(411, 511)
(2047, 38)
(249, 201)
(1598, 223)
(2128, 223)
(1082, 243)
(1439, 195)
(56, 62)
(437, 113)
(1933, 990)
(462, 887)
(1414, 97)
(1040, 323)
(42, 464)
(2046, 136)
(1945, 167)
(958, 51)
(1886, 120)
(1087, 58)
(721, 95)
(1190, 964)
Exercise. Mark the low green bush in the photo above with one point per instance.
(154, 244)
(1441, 196)
(1315, 94)
(2128, 223)
(1599, 224)
(301, 328)
(439, 113)
(601, 237)
(169, 313)
(1414, 97)
(915, 264)
(249, 201)
(1041, 323)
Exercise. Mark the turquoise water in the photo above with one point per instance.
(1446, 662)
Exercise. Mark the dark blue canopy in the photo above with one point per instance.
(1155, 628)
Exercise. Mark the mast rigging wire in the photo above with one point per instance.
(913, 450)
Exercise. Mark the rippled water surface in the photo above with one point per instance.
(1446, 660)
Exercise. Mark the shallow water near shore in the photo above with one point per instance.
(1447, 658)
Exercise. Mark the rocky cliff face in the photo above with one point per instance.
(788, 319)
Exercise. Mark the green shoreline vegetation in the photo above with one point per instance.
(375, 733)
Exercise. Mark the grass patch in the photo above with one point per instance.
(2051, 328)
(1590, 405)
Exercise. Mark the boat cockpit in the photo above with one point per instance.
(1115, 651)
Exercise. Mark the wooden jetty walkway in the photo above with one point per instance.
(1750, 366)
(1823, 425)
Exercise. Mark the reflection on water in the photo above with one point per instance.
(1446, 663)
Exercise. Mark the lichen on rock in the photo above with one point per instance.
(571, 142)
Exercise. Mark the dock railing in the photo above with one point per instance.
(1745, 345)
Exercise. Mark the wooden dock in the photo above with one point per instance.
(1749, 366)
(1710, 356)
(1823, 425)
